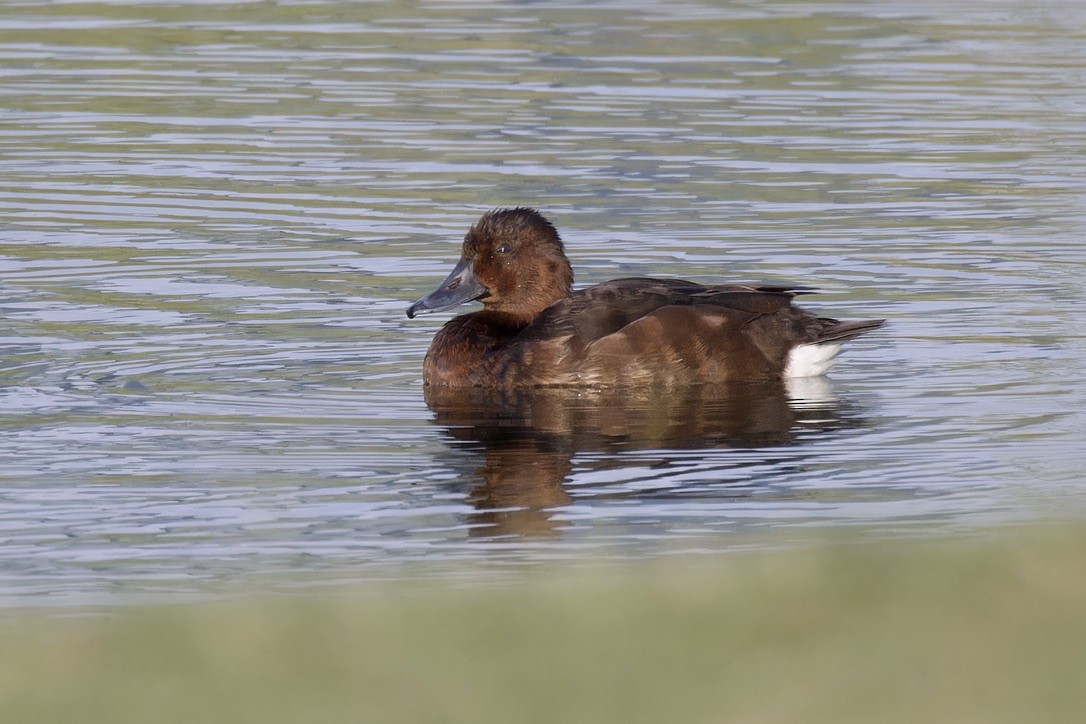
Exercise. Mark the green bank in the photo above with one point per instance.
(989, 628)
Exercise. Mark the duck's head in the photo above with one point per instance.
(512, 261)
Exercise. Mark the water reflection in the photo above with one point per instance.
(523, 443)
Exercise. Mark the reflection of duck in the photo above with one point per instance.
(745, 414)
(529, 437)
(534, 331)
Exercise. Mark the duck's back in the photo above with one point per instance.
(671, 331)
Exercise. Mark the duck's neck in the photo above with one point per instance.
(516, 310)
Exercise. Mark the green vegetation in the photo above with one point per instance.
(991, 628)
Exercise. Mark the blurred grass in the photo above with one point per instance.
(991, 628)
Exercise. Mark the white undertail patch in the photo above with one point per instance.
(811, 360)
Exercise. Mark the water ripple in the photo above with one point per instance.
(213, 216)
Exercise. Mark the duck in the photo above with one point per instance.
(535, 330)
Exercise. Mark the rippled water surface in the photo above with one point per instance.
(213, 215)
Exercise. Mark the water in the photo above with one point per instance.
(212, 217)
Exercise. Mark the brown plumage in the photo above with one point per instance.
(534, 331)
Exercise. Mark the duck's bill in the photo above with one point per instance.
(459, 287)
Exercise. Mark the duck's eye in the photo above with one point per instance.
(504, 249)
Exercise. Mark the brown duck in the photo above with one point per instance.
(534, 330)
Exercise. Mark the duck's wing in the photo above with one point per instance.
(591, 314)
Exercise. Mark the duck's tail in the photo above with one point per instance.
(841, 331)
(815, 358)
